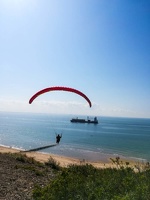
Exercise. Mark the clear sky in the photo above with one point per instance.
(99, 47)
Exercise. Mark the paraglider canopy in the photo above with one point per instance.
(59, 88)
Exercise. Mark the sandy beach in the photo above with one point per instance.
(62, 160)
(18, 178)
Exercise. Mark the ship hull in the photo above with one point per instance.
(84, 121)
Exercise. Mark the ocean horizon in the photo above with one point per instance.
(111, 137)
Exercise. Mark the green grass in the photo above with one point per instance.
(31, 168)
(24, 159)
(30, 164)
(84, 182)
(53, 164)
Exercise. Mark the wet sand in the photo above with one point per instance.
(62, 160)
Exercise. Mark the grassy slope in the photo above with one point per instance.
(86, 182)
(82, 182)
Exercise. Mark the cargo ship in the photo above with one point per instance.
(89, 121)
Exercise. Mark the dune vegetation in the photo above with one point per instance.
(25, 178)
(86, 182)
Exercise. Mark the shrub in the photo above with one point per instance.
(87, 182)
(53, 163)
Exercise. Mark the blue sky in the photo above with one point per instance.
(99, 47)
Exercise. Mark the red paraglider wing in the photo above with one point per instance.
(61, 89)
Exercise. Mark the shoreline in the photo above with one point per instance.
(65, 161)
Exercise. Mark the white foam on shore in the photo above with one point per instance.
(82, 154)
(12, 147)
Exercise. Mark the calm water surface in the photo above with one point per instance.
(128, 137)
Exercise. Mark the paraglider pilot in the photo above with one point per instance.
(58, 137)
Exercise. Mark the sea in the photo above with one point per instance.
(111, 137)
